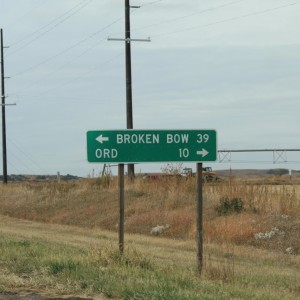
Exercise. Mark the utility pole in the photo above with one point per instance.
(128, 40)
(3, 112)
(129, 113)
(3, 104)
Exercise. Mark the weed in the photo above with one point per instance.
(104, 181)
(227, 206)
(60, 266)
(110, 256)
(172, 169)
(24, 243)
(103, 237)
(222, 270)
(170, 200)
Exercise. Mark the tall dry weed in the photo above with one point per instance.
(148, 203)
(259, 198)
(219, 269)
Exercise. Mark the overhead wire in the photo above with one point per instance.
(81, 75)
(20, 161)
(82, 41)
(85, 3)
(191, 28)
(12, 165)
(229, 19)
(151, 3)
(60, 67)
(171, 20)
(70, 48)
(16, 158)
(19, 148)
(61, 99)
(42, 3)
(49, 23)
(190, 15)
(67, 49)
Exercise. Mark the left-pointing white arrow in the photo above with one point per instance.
(102, 139)
(203, 152)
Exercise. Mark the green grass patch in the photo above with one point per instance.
(134, 275)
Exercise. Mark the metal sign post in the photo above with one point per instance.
(122, 208)
(199, 218)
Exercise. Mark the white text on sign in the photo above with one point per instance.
(138, 138)
(149, 138)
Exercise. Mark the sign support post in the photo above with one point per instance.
(122, 208)
(199, 218)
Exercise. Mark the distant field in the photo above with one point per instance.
(251, 234)
(269, 174)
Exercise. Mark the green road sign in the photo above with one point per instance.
(133, 146)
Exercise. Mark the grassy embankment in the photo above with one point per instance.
(84, 259)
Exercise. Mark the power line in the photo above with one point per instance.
(49, 59)
(19, 148)
(69, 49)
(21, 162)
(189, 15)
(114, 22)
(51, 28)
(42, 3)
(151, 3)
(12, 165)
(75, 45)
(81, 75)
(61, 67)
(48, 24)
(229, 19)
(75, 100)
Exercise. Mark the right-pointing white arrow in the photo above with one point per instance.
(203, 152)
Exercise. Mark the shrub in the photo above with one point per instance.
(105, 181)
(59, 266)
(227, 206)
(278, 172)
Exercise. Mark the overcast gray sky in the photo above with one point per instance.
(233, 66)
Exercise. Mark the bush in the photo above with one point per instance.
(227, 206)
(278, 172)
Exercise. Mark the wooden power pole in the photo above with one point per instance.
(128, 40)
(129, 113)
(4, 156)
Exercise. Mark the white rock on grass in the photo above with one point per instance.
(268, 234)
(159, 229)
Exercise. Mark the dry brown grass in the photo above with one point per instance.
(172, 201)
